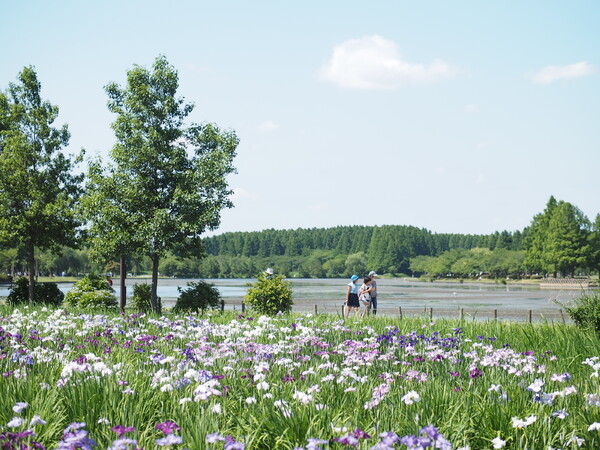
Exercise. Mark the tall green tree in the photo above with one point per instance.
(594, 242)
(172, 177)
(38, 189)
(536, 238)
(567, 240)
(558, 239)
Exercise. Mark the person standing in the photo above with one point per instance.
(364, 295)
(373, 292)
(269, 273)
(352, 296)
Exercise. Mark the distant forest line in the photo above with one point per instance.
(316, 252)
(560, 241)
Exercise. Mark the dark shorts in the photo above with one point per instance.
(353, 301)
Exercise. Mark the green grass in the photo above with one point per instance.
(345, 361)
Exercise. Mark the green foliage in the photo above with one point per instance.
(499, 262)
(141, 297)
(356, 263)
(270, 295)
(586, 311)
(45, 293)
(198, 296)
(38, 185)
(558, 239)
(594, 244)
(166, 183)
(92, 291)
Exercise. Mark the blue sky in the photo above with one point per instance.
(460, 116)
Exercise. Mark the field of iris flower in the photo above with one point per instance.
(104, 380)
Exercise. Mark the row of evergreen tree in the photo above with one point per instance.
(388, 248)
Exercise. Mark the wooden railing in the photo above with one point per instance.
(430, 313)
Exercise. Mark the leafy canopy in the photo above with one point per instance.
(38, 187)
(165, 183)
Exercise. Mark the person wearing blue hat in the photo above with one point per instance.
(352, 296)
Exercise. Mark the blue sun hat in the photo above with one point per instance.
(354, 278)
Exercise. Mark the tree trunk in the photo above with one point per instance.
(123, 288)
(31, 269)
(153, 298)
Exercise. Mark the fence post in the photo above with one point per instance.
(530, 315)
(315, 309)
(462, 313)
(400, 311)
(243, 307)
(343, 309)
(495, 315)
(430, 313)
(222, 306)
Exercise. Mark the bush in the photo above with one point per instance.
(270, 295)
(142, 294)
(198, 296)
(586, 312)
(44, 293)
(92, 291)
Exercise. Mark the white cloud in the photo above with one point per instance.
(318, 207)
(373, 62)
(549, 74)
(242, 194)
(268, 125)
(198, 70)
(471, 108)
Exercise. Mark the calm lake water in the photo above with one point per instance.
(412, 296)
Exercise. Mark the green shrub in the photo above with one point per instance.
(198, 296)
(92, 291)
(586, 311)
(44, 293)
(270, 295)
(142, 295)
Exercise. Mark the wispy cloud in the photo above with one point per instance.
(242, 194)
(550, 74)
(318, 207)
(268, 125)
(198, 69)
(471, 108)
(373, 62)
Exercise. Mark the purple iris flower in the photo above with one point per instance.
(475, 373)
(360, 434)
(430, 431)
(168, 427)
(214, 438)
(169, 440)
(121, 430)
(347, 440)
